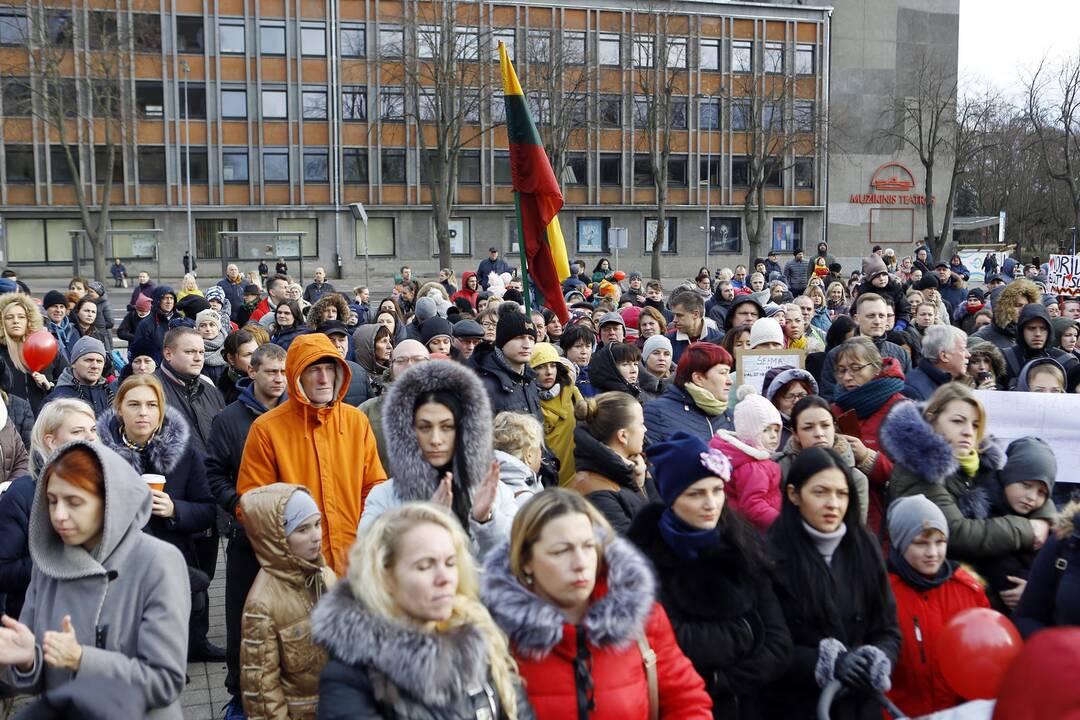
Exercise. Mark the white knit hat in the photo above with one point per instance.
(654, 343)
(753, 413)
(766, 330)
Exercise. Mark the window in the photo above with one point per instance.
(709, 54)
(609, 110)
(101, 165)
(573, 47)
(540, 107)
(725, 235)
(391, 41)
(710, 114)
(772, 117)
(577, 110)
(189, 34)
(313, 40)
(774, 173)
(804, 60)
(208, 241)
(740, 171)
(678, 113)
(610, 170)
(676, 52)
(507, 37)
(276, 165)
(193, 102)
(709, 171)
(353, 41)
(427, 41)
(429, 166)
(641, 111)
(149, 99)
(576, 170)
(644, 49)
(316, 165)
(308, 226)
(774, 58)
(511, 233)
(678, 170)
(460, 237)
(469, 167)
(272, 38)
(467, 43)
(59, 170)
(498, 107)
(742, 56)
(234, 165)
(502, 174)
(592, 235)
(392, 165)
(804, 173)
(314, 104)
(643, 173)
(18, 96)
(233, 103)
(14, 28)
(354, 103)
(146, 32)
(427, 109)
(275, 104)
(128, 243)
(787, 234)
(35, 240)
(199, 162)
(392, 104)
(804, 116)
(538, 49)
(378, 238)
(355, 165)
(19, 163)
(58, 27)
(741, 115)
(151, 164)
(231, 36)
(609, 49)
(670, 237)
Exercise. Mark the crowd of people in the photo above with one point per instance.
(444, 505)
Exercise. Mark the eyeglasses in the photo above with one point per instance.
(841, 371)
(415, 360)
(797, 396)
(490, 325)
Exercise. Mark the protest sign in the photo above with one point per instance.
(1064, 275)
(1053, 418)
(752, 365)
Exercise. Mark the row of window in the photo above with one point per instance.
(571, 46)
(393, 167)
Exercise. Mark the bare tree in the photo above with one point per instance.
(969, 142)
(75, 78)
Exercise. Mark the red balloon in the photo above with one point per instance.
(974, 651)
(619, 276)
(38, 350)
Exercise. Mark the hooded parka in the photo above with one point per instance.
(1002, 330)
(279, 662)
(330, 450)
(558, 409)
(128, 600)
(1020, 354)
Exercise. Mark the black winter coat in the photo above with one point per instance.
(795, 694)
(126, 331)
(228, 433)
(1052, 595)
(607, 481)
(197, 400)
(21, 384)
(15, 563)
(507, 389)
(22, 417)
(172, 453)
(725, 615)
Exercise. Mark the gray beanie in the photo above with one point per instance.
(909, 516)
(656, 342)
(298, 508)
(426, 308)
(86, 345)
(1030, 458)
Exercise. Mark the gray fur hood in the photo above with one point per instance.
(414, 478)
(910, 441)
(535, 626)
(166, 449)
(434, 667)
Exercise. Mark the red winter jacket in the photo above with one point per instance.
(465, 292)
(622, 605)
(918, 687)
(754, 488)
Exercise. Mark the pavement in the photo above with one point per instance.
(205, 696)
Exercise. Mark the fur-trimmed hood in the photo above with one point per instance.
(621, 603)
(1006, 303)
(1068, 520)
(414, 478)
(433, 667)
(166, 449)
(911, 442)
(318, 310)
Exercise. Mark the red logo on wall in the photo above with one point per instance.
(892, 177)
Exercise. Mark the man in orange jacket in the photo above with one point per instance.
(316, 440)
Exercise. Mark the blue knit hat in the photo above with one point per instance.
(682, 460)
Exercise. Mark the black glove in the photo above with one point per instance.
(853, 670)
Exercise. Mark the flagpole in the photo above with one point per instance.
(524, 258)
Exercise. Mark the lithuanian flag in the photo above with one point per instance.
(538, 196)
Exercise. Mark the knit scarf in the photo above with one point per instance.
(969, 464)
(685, 541)
(867, 399)
(972, 309)
(552, 392)
(799, 344)
(915, 579)
(706, 401)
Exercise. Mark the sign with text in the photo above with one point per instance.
(753, 365)
(1053, 418)
(1064, 275)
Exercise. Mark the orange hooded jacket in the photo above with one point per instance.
(329, 450)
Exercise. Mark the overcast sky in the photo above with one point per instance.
(1002, 41)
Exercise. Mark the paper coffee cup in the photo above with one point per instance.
(156, 482)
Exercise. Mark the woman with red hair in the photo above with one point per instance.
(697, 401)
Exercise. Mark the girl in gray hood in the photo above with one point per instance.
(105, 599)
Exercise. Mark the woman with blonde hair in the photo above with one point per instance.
(188, 286)
(579, 606)
(406, 633)
(837, 300)
(518, 440)
(19, 318)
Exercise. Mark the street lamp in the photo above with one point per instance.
(187, 162)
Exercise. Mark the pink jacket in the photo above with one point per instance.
(754, 488)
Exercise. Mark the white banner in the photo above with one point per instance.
(1053, 418)
(1064, 275)
(973, 261)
